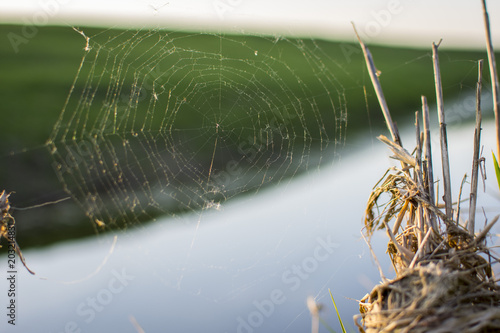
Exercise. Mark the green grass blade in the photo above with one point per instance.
(497, 169)
(335, 305)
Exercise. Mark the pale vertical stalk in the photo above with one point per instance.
(428, 150)
(378, 90)
(315, 324)
(419, 173)
(427, 165)
(493, 74)
(314, 310)
(420, 225)
(475, 158)
(443, 136)
(418, 154)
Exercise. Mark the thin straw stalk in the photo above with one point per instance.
(427, 147)
(493, 73)
(443, 136)
(378, 90)
(475, 157)
(418, 153)
(427, 162)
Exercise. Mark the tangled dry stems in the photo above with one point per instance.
(433, 297)
(445, 281)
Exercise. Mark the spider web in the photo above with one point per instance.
(160, 123)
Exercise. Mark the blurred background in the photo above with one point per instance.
(268, 104)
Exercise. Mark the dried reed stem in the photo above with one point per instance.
(314, 309)
(493, 73)
(407, 254)
(475, 157)
(418, 153)
(401, 215)
(443, 137)
(420, 223)
(482, 235)
(427, 167)
(428, 150)
(378, 90)
(420, 249)
(399, 152)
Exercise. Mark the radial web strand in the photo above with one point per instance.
(159, 123)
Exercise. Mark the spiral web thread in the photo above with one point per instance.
(159, 123)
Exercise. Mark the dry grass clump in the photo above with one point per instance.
(444, 274)
(433, 297)
(444, 277)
